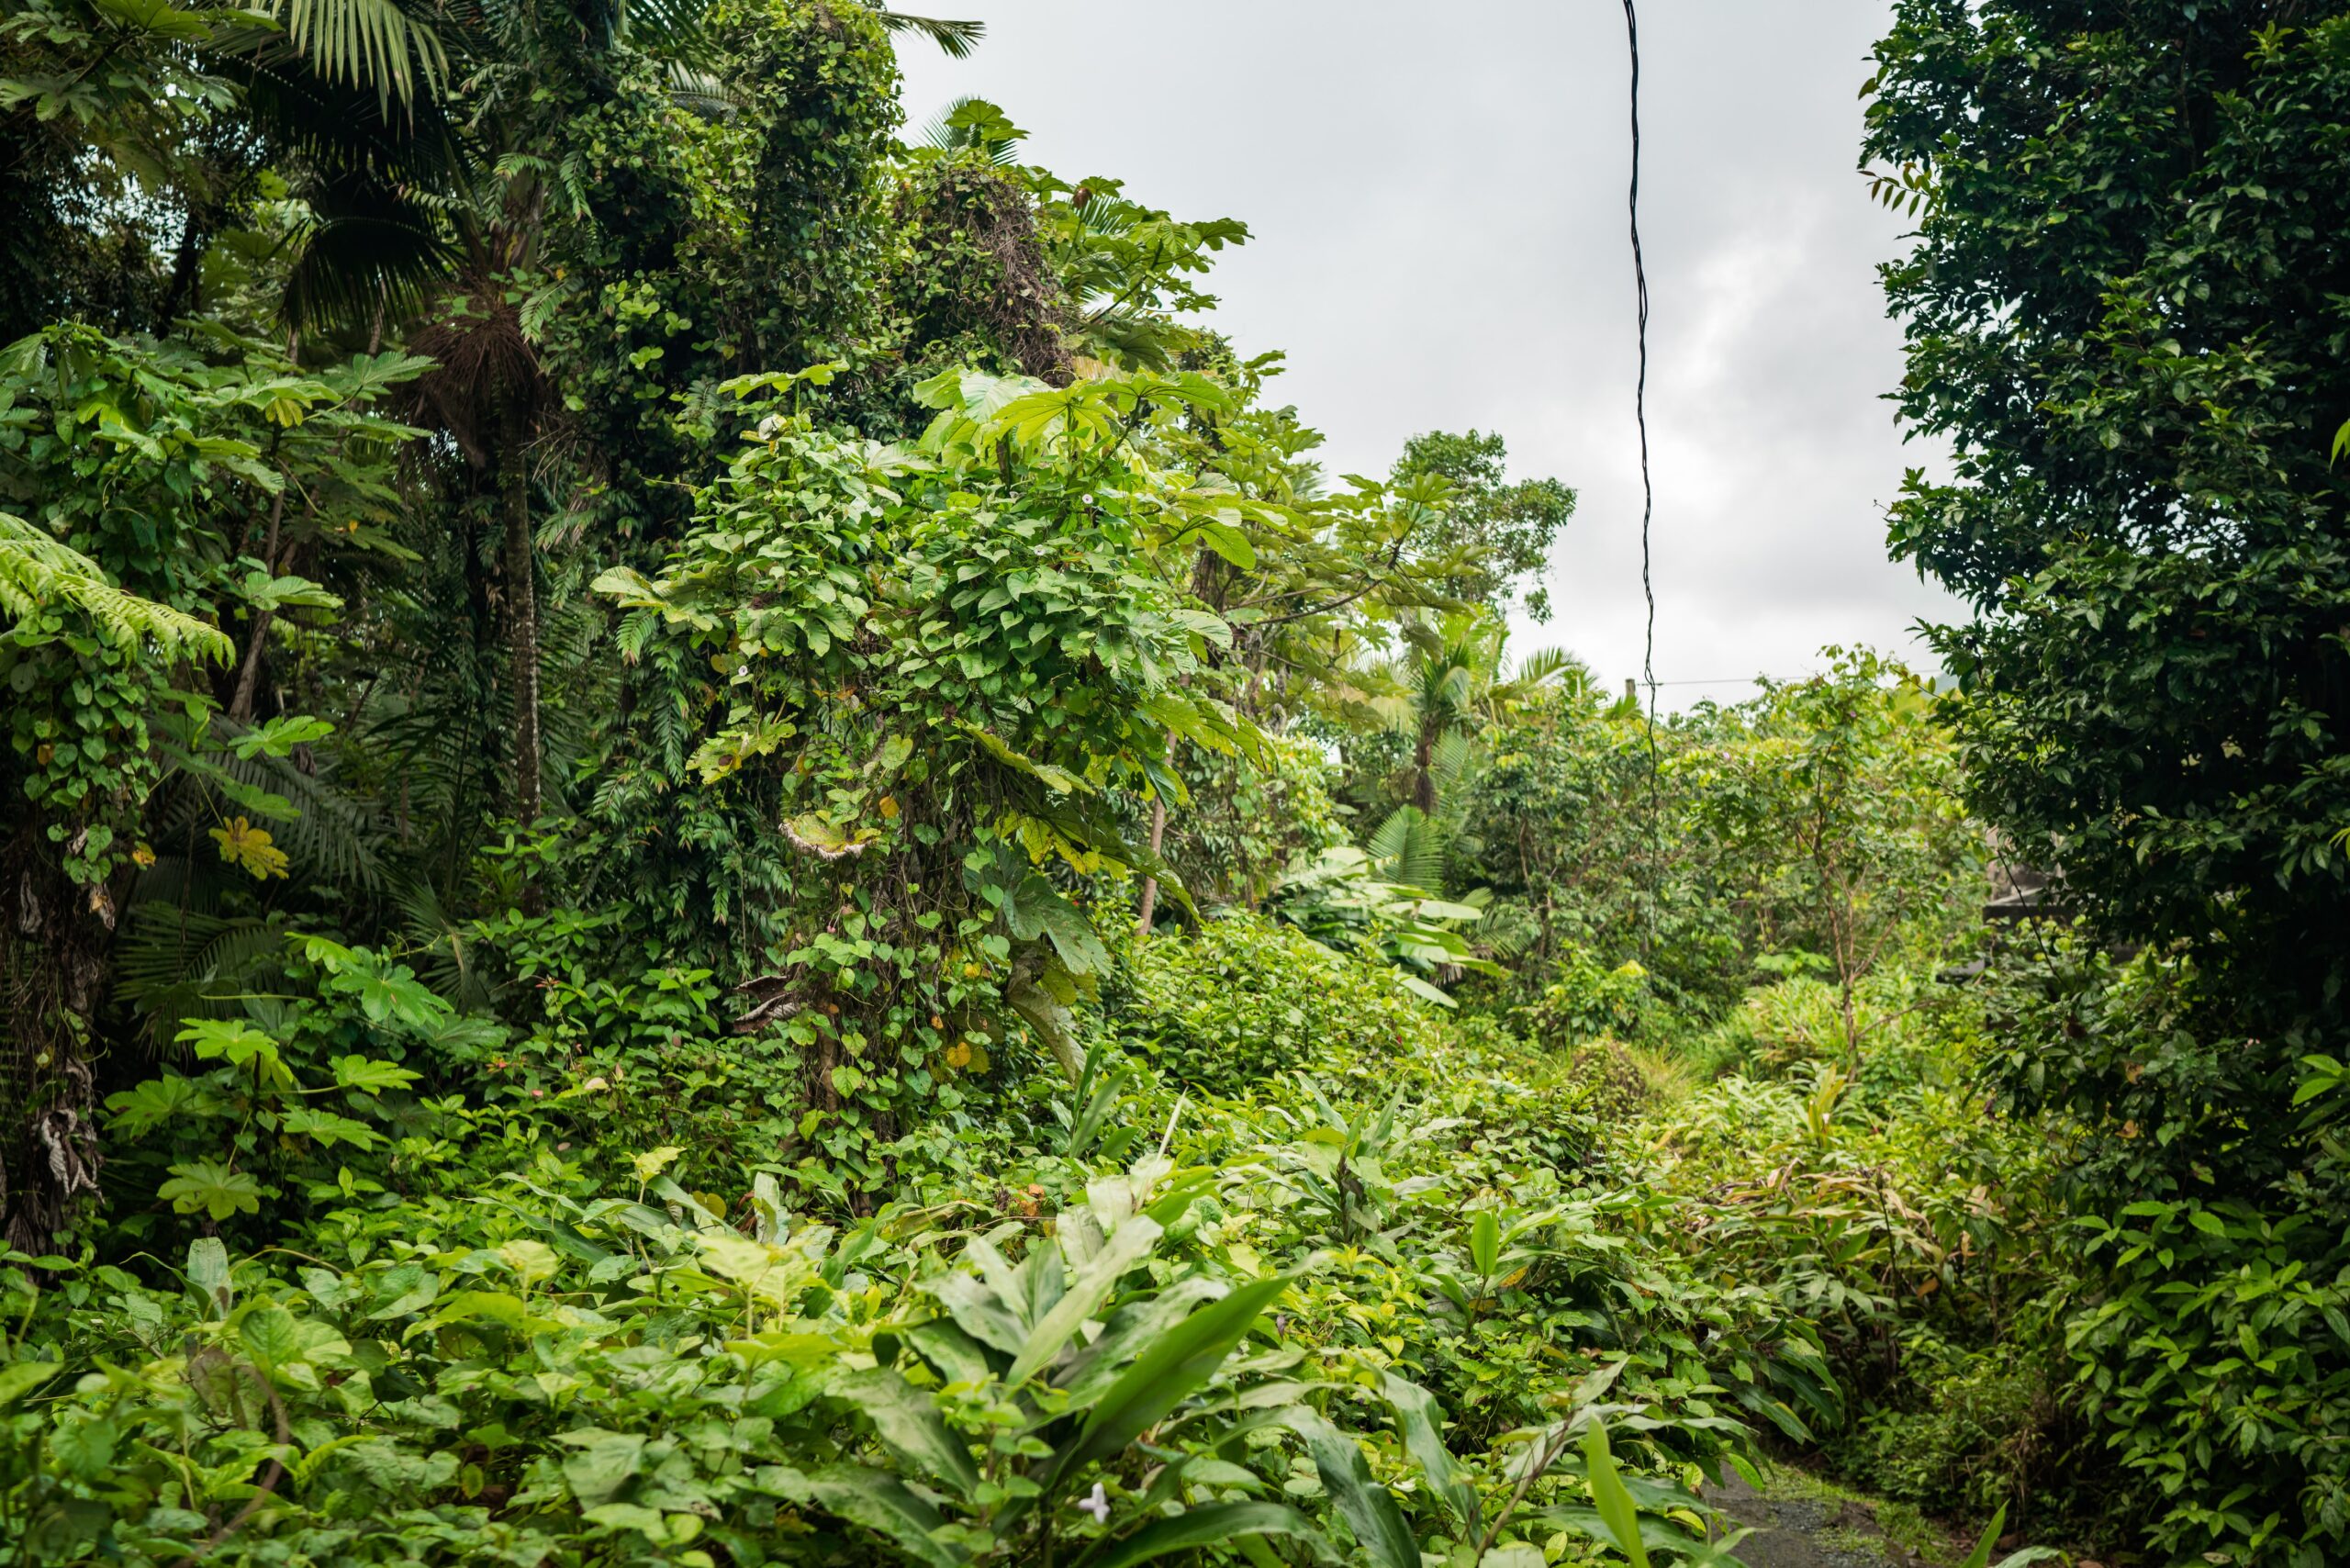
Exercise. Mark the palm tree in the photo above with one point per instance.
(418, 222)
(1455, 680)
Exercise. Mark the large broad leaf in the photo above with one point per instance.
(1163, 1375)
(1036, 908)
(1422, 1420)
(208, 1276)
(953, 1353)
(1084, 1295)
(603, 1461)
(1616, 1510)
(882, 1503)
(980, 1312)
(1202, 1527)
(1368, 1508)
(21, 1378)
(209, 1186)
(910, 1427)
(1131, 1327)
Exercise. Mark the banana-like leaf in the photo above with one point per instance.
(1202, 1527)
(1087, 1291)
(911, 1428)
(1368, 1508)
(1163, 1376)
(1422, 1420)
(883, 1504)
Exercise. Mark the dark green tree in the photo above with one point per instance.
(2126, 311)
(1501, 529)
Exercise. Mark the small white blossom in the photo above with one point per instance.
(1098, 1505)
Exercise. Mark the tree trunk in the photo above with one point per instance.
(241, 705)
(1150, 884)
(521, 619)
(53, 940)
(1424, 769)
(1158, 838)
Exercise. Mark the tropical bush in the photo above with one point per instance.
(1244, 998)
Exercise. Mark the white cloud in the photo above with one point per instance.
(1437, 200)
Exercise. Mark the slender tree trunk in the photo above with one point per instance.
(240, 704)
(1158, 839)
(1150, 884)
(521, 619)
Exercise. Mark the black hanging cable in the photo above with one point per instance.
(1648, 488)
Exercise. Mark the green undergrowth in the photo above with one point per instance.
(403, 1292)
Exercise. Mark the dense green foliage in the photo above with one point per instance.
(2125, 309)
(724, 853)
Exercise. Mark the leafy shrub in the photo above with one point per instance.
(1242, 999)
(507, 1365)
(2210, 1339)
(1588, 998)
(1912, 1230)
(1973, 1428)
(524, 1376)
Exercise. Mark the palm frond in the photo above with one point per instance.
(1549, 666)
(367, 43)
(357, 262)
(445, 946)
(702, 92)
(1449, 761)
(173, 963)
(333, 838)
(956, 129)
(955, 40)
(1408, 849)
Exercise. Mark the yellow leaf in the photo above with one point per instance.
(241, 844)
(654, 1161)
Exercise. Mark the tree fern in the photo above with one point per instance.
(38, 573)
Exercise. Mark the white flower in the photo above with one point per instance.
(1098, 1505)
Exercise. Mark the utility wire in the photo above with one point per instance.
(1648, 487)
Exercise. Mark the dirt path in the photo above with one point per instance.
(1802, 1527)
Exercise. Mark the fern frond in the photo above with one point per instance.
(37, 573)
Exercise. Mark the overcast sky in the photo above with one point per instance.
(1437, 200)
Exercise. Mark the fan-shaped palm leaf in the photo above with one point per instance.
(1408, 849)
